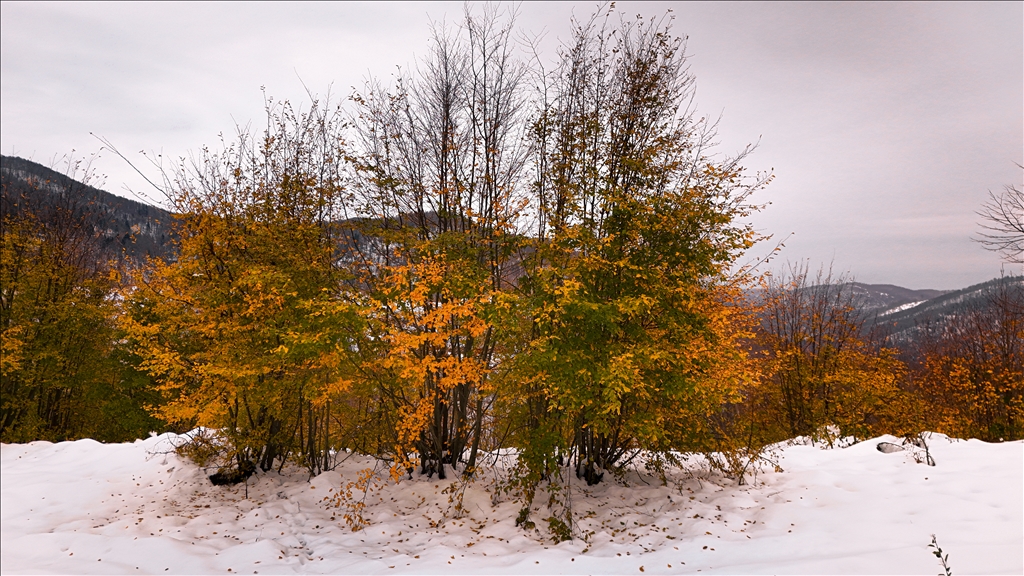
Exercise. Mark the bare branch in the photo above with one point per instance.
(1003, 224)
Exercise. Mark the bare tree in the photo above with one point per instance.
(1003, 225)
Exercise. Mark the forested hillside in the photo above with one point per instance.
(906, 322)
(125, 229)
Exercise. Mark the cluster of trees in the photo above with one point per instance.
(481, 256)
(968, 372)
(61, 374)
(463, 265)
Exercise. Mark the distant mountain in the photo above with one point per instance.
(126, 228)
(905, 319)
(902, 315)
(886, 298)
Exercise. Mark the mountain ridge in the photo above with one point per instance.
(127, 228)
(903, 324)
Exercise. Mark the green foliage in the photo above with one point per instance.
(560, 531)
(62, 375)
(523, 519)
(634, 333)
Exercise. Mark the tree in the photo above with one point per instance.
(971, 373)
(438, 162)
(635, 327)
(250, 330)
(822, 368)
(1004, 224)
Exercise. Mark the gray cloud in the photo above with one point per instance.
(885, 124)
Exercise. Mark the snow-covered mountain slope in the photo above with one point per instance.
(904, 322)
(876, 298)
(84, 507)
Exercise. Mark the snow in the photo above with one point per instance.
(902, 307)
(84, 507)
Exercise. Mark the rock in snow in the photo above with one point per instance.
(889, 447)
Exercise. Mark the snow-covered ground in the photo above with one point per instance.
(84, 507)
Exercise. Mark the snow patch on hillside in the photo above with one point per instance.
(902, 307)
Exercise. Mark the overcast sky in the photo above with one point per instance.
(885, 124)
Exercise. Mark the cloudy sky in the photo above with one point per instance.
(886, 125)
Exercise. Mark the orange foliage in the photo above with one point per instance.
(971, 374)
